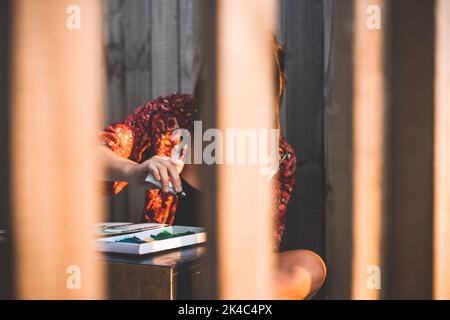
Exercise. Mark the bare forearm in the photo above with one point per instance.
(122, 169)
(117, 167)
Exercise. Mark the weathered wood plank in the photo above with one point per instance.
(132, 281)
(441, 276)
(243, 49)
(116, 106)
(6, 259)
(137, 53)
(409, 218)
(68, 92)
(206, 93)
(116, 95)
(137, 75)
(164, 42)
(338, 147)
(304, 112)
(189, 46)
(152, 51)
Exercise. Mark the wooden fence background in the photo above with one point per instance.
(6, 262)
(152, 50)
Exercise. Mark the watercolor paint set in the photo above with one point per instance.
(154, 240)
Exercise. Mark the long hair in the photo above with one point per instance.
(279, 54)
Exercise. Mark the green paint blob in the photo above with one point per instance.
(160, 236)
(167, 235)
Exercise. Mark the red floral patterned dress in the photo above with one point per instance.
(147, 132)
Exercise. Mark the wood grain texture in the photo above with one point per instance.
(442, 154)
(6, 253)
(409, 186)
(381, 179)
(206, 95)
(304, 40)
(369, 143)
(135, 282)
(54, 121)
(339, 148)
(116, 93)
(245, 259)
(152, 50)
(136, 18)
(173, 274)
(189, 48)
(171, 63)
(165, 47)
(175, 59)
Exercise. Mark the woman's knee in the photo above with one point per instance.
(317, 268)
(303, 268)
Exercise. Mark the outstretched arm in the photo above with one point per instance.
(125, 170)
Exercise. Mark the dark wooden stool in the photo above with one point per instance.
(170, 275)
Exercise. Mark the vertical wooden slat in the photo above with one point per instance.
(245, 72)
(338, 146)
(304, 123)
(6, 252)
(189, 44)
(57, 98)
(327, 33)
(408, 223)
(115, 59)
(116, 108)
(152, 50)
(391, 173)
(165, 55)
(442, 154)
(137, 75)
(368, 146)
(206, 97)
(137, 49)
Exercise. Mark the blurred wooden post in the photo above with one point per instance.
(442, 154)
(339, 171)
(368, 146)
(304, 104)
(56, 111)
(408, 226)
(393, 133)
(393, 139)
(6, 261)
(245, 101)
(206, 96)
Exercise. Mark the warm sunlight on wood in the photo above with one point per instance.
(442, 154)
(369, 108)
(244, 201)
(56, 112)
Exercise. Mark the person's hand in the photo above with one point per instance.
(163, 169)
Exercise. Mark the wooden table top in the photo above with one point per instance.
(176, 258)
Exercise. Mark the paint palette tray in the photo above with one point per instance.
(155, 240)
